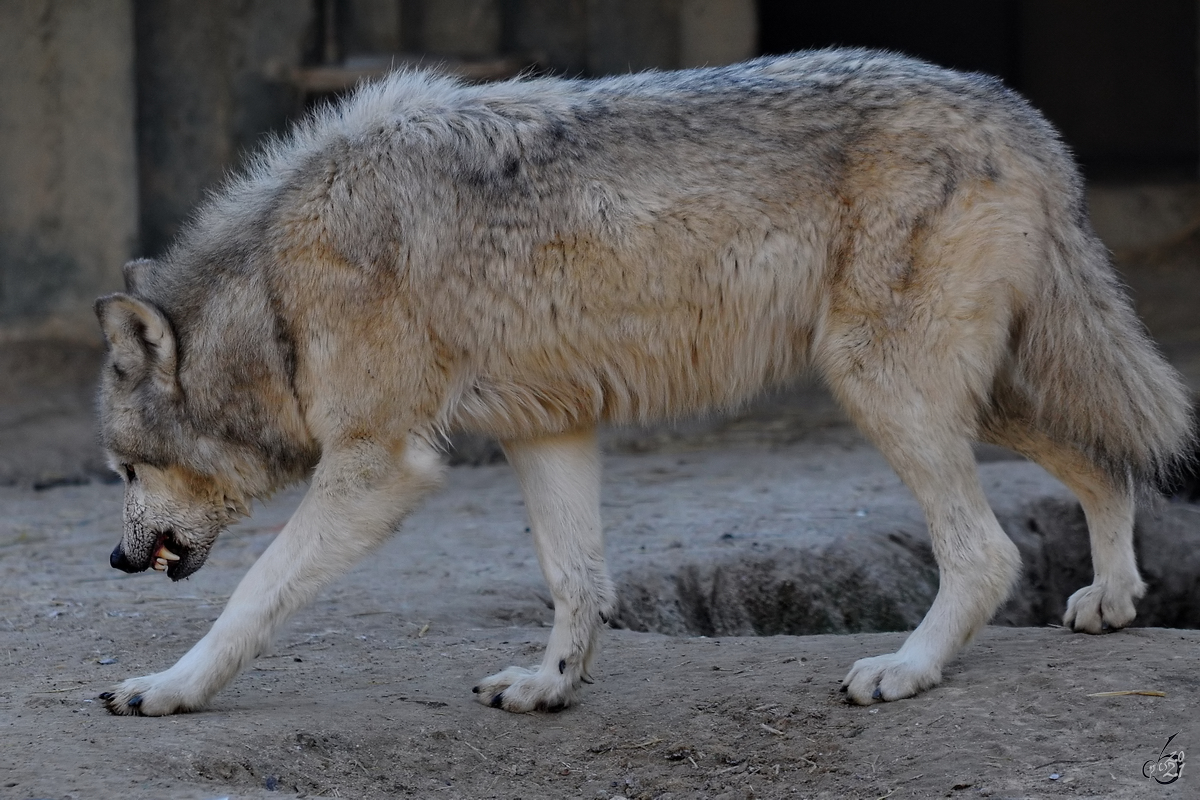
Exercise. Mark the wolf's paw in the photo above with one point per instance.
(890, 677)
(519, 689)
(148, 696)
(1101, 607)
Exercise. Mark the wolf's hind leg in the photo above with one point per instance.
(560, 480)
(910, 390)
(977, 564)
(1108, 504)
(357, 498)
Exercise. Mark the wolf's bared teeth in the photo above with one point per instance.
(160, 564)
(165, 554)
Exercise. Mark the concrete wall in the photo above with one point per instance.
(596, 37)
(715, 32)
(68, 188)
(212, 78)
(211, 83)
(1118, 78)
(104, 155)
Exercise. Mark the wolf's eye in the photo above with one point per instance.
(130, 475)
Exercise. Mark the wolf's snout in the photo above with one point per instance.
(120, 561)
(160, 557)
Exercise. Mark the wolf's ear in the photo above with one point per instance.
(135, 272)
(139, 336)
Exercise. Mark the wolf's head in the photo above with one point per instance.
(194, 442)
(173, 512)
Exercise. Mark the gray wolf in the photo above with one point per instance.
(533, 258)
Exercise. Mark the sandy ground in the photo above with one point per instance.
(367, 693)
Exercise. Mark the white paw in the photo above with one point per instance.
(519, 689)
(1101, 607)
(148, 696)
(890, 677)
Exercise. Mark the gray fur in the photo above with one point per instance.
(532, 258)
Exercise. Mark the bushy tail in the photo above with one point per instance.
(1086, 372)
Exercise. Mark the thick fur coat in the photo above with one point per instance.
(533, 258)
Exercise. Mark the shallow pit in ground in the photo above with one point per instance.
(878, 581)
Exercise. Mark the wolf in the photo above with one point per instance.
(533, 258)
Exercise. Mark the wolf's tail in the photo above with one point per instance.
(1085, 371)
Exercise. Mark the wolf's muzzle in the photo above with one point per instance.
(118, 560)
(178, 562)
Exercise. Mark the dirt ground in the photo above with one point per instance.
(367, 692)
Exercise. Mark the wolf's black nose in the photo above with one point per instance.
(118, 560)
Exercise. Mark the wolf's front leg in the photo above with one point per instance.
(560, 479)
(357, 498)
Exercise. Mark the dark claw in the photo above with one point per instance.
(498, 700)
(135, 701)
(845, 688)
(106, 696)
(475, 689)
(877, 694)
(562, 666)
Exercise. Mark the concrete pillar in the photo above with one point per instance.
(68, 184)
(211, 86)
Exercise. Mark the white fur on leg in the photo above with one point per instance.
(356, 500)
(560, 479)
(520, 689)
(189, 684)
(1104, 606)
(1109, 603)
(977, 563)
(890, 677)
